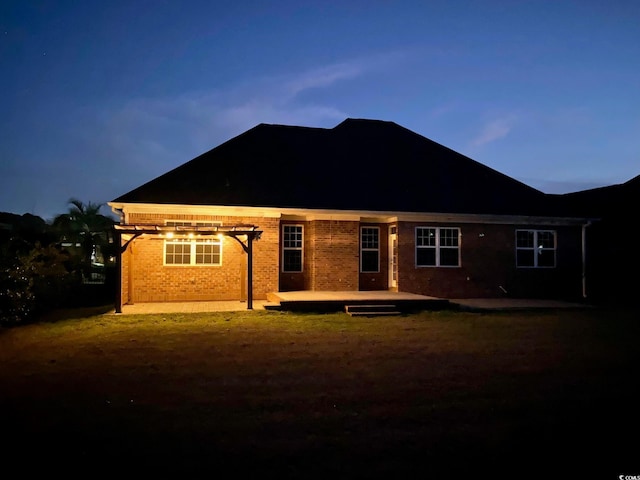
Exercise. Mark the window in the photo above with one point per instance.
(535, 248)
(370, 249)
(197, 250)
(177, 252)
(437, 247)
(292, 248)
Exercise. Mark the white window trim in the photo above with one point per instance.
(536, 250)
(300, 248)
(193, 241)
(437, 247)
(362, 249)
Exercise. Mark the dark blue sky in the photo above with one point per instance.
(99, 97)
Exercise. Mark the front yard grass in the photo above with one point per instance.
(434, 394)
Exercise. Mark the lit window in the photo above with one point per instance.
(437, 247)
(369, 249)
(205, 250)
(535, 248)
(292, 248)
(177, 252)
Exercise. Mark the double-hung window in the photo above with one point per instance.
(292, 241)
(369, 249)
(535, 248)
(191, 249)
(437, 247)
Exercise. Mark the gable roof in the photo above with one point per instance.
(360, 164)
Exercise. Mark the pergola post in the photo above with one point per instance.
(118, 299)
(250, 272)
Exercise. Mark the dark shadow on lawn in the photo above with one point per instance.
(74, 313)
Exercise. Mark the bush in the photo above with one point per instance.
(17, 301)
(35, 283)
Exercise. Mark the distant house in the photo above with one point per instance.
(366, 205)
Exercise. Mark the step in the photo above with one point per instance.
(373, 314)
(364, 307)
(371, 310)
(272, 306)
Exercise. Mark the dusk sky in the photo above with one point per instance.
(99, 97)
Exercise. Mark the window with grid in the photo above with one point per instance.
(369, 249)
(192, 250)
(292, 241)
(177, 252)
(437, 247)
(535, 248)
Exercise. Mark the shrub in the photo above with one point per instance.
(17, 301)
(35, 283)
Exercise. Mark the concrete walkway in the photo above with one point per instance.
(481, 304)
(190, 307)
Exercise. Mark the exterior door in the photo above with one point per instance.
(393, 257)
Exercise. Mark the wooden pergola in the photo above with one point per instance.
(243, 234)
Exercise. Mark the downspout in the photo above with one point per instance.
(584, 258)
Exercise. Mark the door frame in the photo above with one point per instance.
(393, 257)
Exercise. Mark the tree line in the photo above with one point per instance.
(67, 262)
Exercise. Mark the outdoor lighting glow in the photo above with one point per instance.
(170, 235)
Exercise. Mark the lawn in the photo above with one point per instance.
(432, 395)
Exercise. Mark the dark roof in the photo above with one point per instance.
(357, 165)
(614, 201)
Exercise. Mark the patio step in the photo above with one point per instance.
(373, 310)
(272, 306)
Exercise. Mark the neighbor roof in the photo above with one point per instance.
(358, 165)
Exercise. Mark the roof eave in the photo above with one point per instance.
(344, 215)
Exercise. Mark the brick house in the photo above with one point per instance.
(366, 205)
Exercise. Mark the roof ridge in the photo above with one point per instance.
(352, 120)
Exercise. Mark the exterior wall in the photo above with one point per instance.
(380, 279)
(294, 281)
(334, 255)
(612, 262)
(331, 261)
(564, 281)
(147, 279)
(488, 265)
(330, 257)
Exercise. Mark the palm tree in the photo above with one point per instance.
(86, 229)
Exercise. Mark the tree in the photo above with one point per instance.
(86, 233)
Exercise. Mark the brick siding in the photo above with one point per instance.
(331, 262)
(488, 265)
(147, 279)
(334, 255)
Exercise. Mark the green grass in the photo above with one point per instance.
(436, 394)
